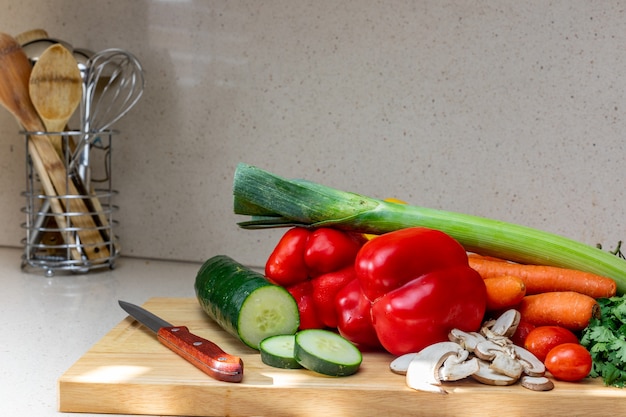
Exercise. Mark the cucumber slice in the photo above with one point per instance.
(243, 302)
(327, 353)
(277, 351)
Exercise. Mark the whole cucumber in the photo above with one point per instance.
(243, 302)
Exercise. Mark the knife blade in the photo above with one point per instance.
(202, 353)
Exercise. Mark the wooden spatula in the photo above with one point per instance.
(14, 77)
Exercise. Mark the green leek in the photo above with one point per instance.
(273, 201)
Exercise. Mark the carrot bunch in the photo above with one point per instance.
(544, 295)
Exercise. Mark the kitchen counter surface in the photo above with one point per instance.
(53, 321)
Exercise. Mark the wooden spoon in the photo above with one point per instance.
(56, 87)
(55, 98)
(14, 77)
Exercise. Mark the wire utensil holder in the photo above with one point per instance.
(53, 233)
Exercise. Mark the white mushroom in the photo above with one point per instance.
(537, 383)
(506, 324)
(488, 376)
(488, 349)
(530, 363)
(423, 371)
(458, 367)
(506, 364)
(467, 340)
(400, 364)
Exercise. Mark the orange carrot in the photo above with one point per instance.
(568, 309)
(541, 278)
(485, 257)
(504, 292)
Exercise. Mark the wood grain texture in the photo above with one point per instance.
(55, 87)
(130, 372)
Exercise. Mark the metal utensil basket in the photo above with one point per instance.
(55, 238)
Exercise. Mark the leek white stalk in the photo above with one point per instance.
(273, 201)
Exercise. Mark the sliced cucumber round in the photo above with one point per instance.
(278, 351)
(326, 352)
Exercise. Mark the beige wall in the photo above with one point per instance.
(505, 109)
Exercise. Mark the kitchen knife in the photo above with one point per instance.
(202, 353)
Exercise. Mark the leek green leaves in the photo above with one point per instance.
(273, 201)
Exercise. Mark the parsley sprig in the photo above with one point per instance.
(605, 338)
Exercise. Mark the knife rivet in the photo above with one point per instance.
(221, 359)
(197, 343)
(175, 329)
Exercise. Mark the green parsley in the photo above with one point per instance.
(605, 338)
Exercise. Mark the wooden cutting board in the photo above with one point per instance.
(130, 372)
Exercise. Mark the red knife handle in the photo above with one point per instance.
(202, 353)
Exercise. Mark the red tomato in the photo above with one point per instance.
(543, 338)
(569, 362)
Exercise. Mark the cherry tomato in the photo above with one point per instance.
(569, 362)
(543, 338)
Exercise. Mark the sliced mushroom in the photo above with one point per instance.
(467, 340)
(458, 367)
(400, 364)
(488, 349)
(506, 324)
(530, 363)
(489, 357)
(488, 376)
(423, 371)
(506, 364)
(537, 383)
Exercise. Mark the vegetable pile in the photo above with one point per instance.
(401, 291)
(352, 271)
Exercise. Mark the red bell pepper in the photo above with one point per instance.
(423, 311)
(328, 250)
(421, 286)
(302, 292)
(393, 259)
(354, 320)
(314, 264)
(285, 265)
(325, 289)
